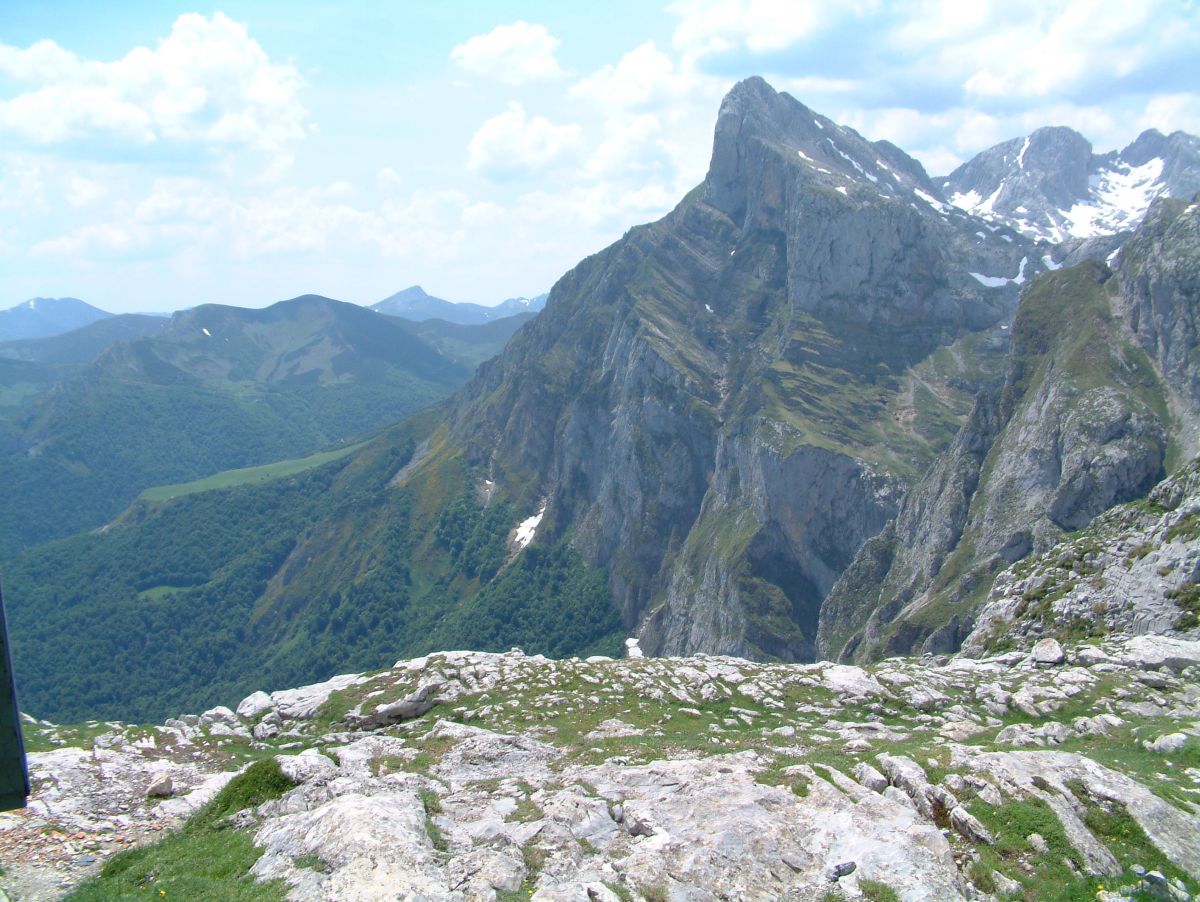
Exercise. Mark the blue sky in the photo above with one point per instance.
(156, 155)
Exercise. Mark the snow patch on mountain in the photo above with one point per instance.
(932, 201)
(1119, 199)
(1001, 281)
(527, 529)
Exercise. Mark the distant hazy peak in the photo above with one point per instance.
(45, 317)
(413, 303)
(46, 305)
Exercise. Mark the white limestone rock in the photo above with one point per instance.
(254, 704)
(1168, 743)
(376, 847)
(1157, 652)
(1047, 653)
(307, 767)
(160, 787)
(304, 702)
(847, 680)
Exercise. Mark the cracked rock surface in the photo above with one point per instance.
(699, 778)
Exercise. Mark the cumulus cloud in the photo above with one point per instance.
(715, 26)
(388, 179)
(645, 76)
(513, 144)
(515, 54)
(1171, 112)
(82, 192)
(22, 185)
(208, 81)
(632, 147)
(113, 241)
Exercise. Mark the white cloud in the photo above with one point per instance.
(658, 118)
(291, 221)
(208, 81)
(180, 200)
(428, 225)
(483, 215)
(1171, 112)
(513, 144)
(22, 186)
(388, 178)
(515, 54)
(643, 78)
(82, 192)
(1032, 49)
(760, 26)
(632, 147)
(112, 241)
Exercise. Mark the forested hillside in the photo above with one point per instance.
(219, 387)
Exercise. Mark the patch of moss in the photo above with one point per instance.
(876, 891)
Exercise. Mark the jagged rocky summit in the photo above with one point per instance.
(476, 776)
(1052, 187)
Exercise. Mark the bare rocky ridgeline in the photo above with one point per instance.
(470, 775)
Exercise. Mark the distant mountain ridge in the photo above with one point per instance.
(43, 317)
(83, 344)
(211, 389)
(414, 303)
(1051, 186)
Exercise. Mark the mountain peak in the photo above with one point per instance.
(1051, 186)
(759, 127)
(45, 317)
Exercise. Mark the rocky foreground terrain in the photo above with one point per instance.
(1053, 772)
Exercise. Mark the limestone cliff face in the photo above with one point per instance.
(1134, 570)
(721, 407)
(1098, 401)
(1159, 272)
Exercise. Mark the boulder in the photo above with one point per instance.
(219, 714)
(307, 767)
(870, 777)
(1047, 653)
(847, 680)
(418, 702)
(254, 704)
(1168, 743)
(1157, 652)
(969, 826)
(160, 787)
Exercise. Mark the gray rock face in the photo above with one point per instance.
(1160, 290)
(1051, 186)
(1067, 437)
(1131, 572)
(676, 407)
(1049, 169)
